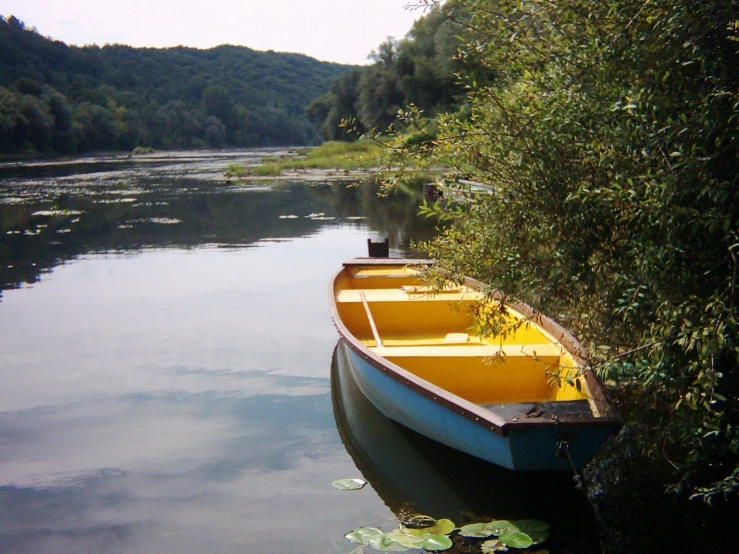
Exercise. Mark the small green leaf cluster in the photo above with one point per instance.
(403, 538)
(511, 534)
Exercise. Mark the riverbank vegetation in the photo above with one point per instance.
(608, 134)
(56, 98)
(422, 70)
(334, 155)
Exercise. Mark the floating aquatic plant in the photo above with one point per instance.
(432, 538)
(384, 543)
(352, 484)
(434, 534)
(493, 545)
(363, 535)
(436, 542)
(475, 530)
(441, 527)
(405, 538)
(516, 540)
(511, 534)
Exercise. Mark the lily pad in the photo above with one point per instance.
(493, 545)
(409, 540)
(516, 540)
(384, 543)
(502, 527)
(476, 530)
(349, 484)
(437, 542)
(441, 527)
(363, 535)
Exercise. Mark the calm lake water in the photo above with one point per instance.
(167, 378)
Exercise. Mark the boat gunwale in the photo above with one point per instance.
(481, 416)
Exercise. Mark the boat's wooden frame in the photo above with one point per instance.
(557, 442)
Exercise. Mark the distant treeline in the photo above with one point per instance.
(60, 98)
(422, 69)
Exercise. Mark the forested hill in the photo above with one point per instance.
(424, 69)
(56, 97)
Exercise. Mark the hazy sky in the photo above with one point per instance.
(333, 30)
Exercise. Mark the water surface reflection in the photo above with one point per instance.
(50, 214)
(166, 350)
(175, 401)
(166, 378)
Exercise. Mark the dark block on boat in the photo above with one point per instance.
(378, 249)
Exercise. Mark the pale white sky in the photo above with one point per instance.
(333, 30)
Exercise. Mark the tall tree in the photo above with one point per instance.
(421, 70)
(62, 139)
(380, 96)
(339, 104)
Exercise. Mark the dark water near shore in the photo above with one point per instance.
(166, 369)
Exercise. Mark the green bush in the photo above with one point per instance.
(611, 146)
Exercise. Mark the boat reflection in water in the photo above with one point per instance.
(409, 471)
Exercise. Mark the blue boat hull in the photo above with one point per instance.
(526, 448)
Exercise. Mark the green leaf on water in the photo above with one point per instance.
(441, 527)
(406, 539)
(475, 530)
(384, 543)
(349, 484)
(502, 527)
(437, 542)
(363, 535)
(512, 534)
(516, 540)
(493, 545)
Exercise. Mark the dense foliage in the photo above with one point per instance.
(55, 97)
(421, 70)
(609, 146)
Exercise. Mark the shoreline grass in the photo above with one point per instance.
(346, 156)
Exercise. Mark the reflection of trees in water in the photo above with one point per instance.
(394, 216)
(163, 216)
(181, 213)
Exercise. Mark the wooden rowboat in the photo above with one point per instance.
(517, 400)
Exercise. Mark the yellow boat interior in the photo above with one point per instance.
(431, 334)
